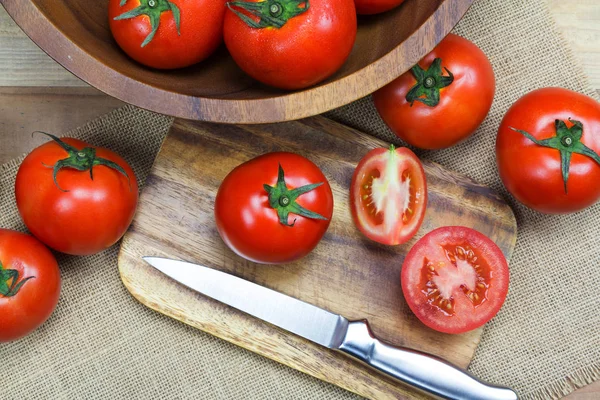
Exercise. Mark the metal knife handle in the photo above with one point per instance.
(423, 371)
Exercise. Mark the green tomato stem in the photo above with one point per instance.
(270, 13)
(81, 160)
(12, 275)
(429, 83)
(153, 9)
(567, 141)
(283, 200)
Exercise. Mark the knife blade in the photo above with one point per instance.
(424, 372)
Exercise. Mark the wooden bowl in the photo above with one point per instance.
(76, 34)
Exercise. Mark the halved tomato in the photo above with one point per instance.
(455, 279)
(388, 195)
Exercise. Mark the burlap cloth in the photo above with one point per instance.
(545, 342)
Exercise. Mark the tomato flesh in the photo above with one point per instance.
(455, 279)
(389, 195)
(460, 272)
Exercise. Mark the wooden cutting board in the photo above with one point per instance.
(346, 273)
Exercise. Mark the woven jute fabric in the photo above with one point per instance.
(545, 342)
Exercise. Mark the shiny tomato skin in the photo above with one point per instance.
(309, 48)
(251, 228)
(459, 281)
(201, 27)
(463, 105)
(367, 7)
(394, 171)
(90, 216)
(37, 298)
(532, 173)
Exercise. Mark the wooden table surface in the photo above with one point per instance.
(38, 94)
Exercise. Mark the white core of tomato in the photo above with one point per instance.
(389, 194)
(449, 278)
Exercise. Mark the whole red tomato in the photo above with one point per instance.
(432, 109)
(547, 150)
(29, 284)
(366, 7)
(455, 279)
(167, 34)
(290, 44)
(75, 198)
(388, 195)
(274, 208)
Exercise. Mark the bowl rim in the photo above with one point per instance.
(285, 107)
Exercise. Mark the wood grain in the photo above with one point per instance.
(76, 34)
(24, 64)
(346, 273)
(51, 109)
(579, 21)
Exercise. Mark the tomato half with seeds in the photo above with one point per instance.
(455, 279)
(167, 34)
(388, 195)
(274, 209)
(29, 284)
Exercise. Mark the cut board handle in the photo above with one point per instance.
(425, 372)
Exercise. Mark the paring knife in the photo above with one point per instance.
(425, 372)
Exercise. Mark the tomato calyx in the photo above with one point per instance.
(270, 13)
(12, 275)
(81, 160)
(567, 141)
(429, 83)
(153, 9)
(283, 200)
